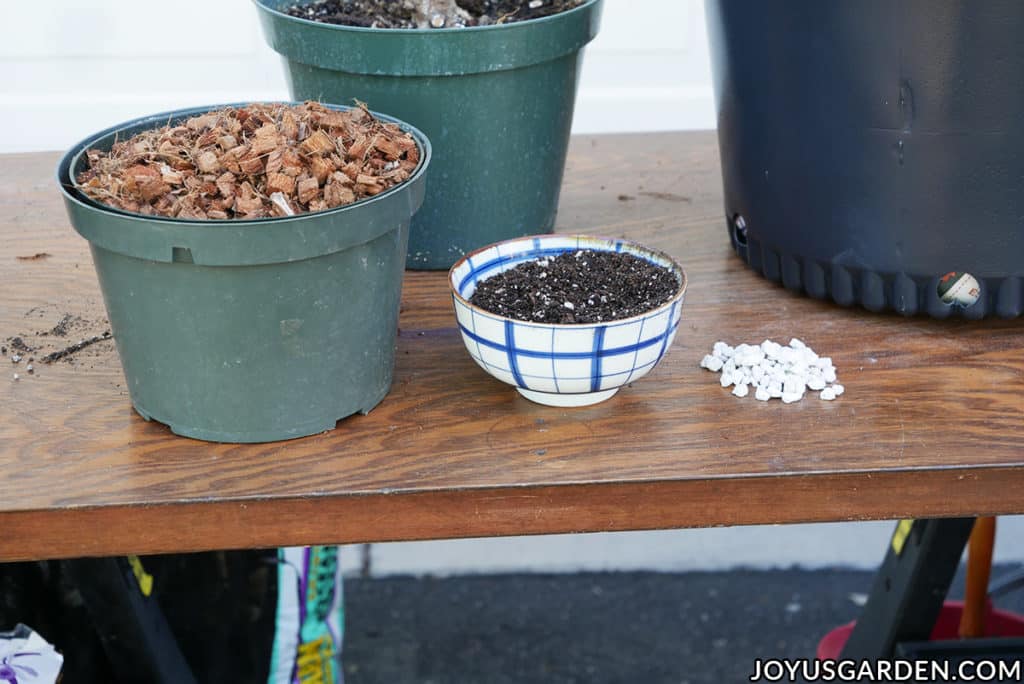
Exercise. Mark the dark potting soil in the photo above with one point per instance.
(427, 13)
(577, 287)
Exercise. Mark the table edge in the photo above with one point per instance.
(508, 511)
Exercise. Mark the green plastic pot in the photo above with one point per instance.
(495, 101)
(250, 330)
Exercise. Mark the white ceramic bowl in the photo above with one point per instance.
(562, 364)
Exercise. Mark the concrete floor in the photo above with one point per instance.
(594, 628)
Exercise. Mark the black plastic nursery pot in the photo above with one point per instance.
(496, 101)
(871, 147)
(250, 330)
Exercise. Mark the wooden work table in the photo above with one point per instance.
(930, 425)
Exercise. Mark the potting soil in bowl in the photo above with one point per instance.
(581, 286)
(280, 319)
(567, 319)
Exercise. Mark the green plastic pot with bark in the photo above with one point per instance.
(250, 330)
(496, 102)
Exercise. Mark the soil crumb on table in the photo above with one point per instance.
(427, 13)
(18, 345)
(64, 325)
(70, 338)
(67, 351)
(584, 286)
(252, 162)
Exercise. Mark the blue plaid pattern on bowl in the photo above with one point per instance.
(561, 359)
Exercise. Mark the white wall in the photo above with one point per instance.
(858, 545)
(648, 69)
(73, 67)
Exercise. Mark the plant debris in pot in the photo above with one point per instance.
(427, 13)
(585, 286)
(253, 161)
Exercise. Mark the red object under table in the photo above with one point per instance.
(998, 623)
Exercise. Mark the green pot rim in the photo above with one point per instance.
(429, 52)
(237, 242)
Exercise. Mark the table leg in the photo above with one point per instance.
(910, 586)
(139, 644)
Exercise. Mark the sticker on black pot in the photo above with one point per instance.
(957, 288)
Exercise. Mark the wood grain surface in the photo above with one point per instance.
(930, 425)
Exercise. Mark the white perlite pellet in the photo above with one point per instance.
(774, 371)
